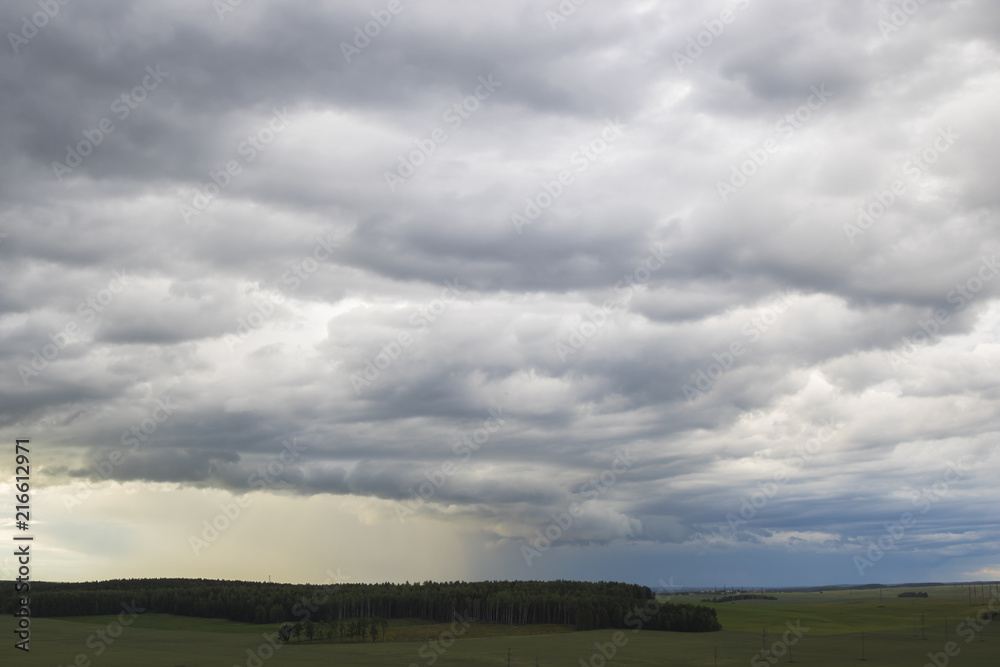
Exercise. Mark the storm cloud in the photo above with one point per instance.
(469, 255)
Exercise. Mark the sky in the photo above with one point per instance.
(674, 293)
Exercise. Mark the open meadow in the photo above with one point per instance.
(830, 625)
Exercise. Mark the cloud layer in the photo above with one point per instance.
(664, 285)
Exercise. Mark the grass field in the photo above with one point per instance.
(831, 625)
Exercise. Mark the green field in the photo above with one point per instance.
(892, 628)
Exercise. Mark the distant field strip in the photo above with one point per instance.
(892, 627)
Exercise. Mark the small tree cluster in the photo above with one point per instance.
(349, 629)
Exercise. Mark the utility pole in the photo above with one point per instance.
(716, 657)
(946, 627)
(863, 645)
(508, 657)
(922, 635)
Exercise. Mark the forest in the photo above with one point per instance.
(585, 605)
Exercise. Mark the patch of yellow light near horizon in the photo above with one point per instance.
(139, 530)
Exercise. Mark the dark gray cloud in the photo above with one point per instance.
(688, 251)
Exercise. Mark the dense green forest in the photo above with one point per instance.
(585, 605)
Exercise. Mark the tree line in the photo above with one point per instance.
(586, 605)
(740, 596)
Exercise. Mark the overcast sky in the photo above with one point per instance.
(700, 293)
